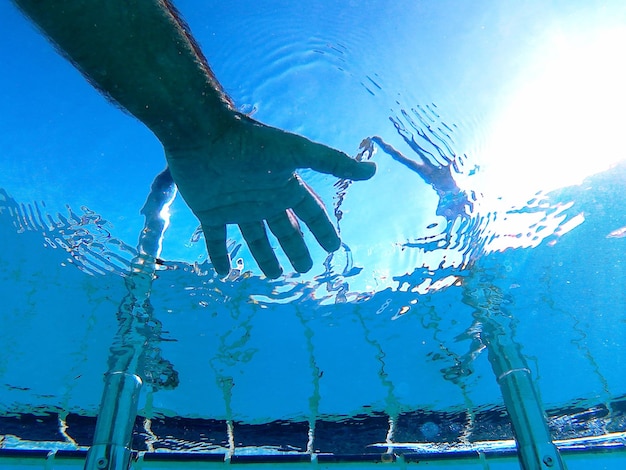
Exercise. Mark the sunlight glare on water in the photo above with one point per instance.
(564, 121)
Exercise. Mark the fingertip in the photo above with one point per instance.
(221, 266)
(349, 168)
(271, 271)
(303, 267)
(331, 242)
(364, 171)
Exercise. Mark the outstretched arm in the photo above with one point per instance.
(229, 168)
(138, 53)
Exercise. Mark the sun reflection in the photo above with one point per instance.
(564, 122)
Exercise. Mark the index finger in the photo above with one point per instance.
(327, 160)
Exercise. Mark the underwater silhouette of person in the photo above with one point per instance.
(229, 168)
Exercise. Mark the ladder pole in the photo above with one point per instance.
(535, 448)
(111, 448)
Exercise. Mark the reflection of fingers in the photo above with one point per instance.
(311, 211)
(333, 162)
(215, 238)
(285, 227)
(259, 245)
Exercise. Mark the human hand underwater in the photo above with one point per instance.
(245, 175)
(143, 57)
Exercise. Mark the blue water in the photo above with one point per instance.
(387, 327)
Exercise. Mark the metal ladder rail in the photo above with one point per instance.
(111, 448)
(535, 448)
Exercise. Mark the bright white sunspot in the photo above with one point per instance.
(564, 120)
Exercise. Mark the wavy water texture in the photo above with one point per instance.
(383, 347)
(245, 350)
(85, 237)
(476, 223)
